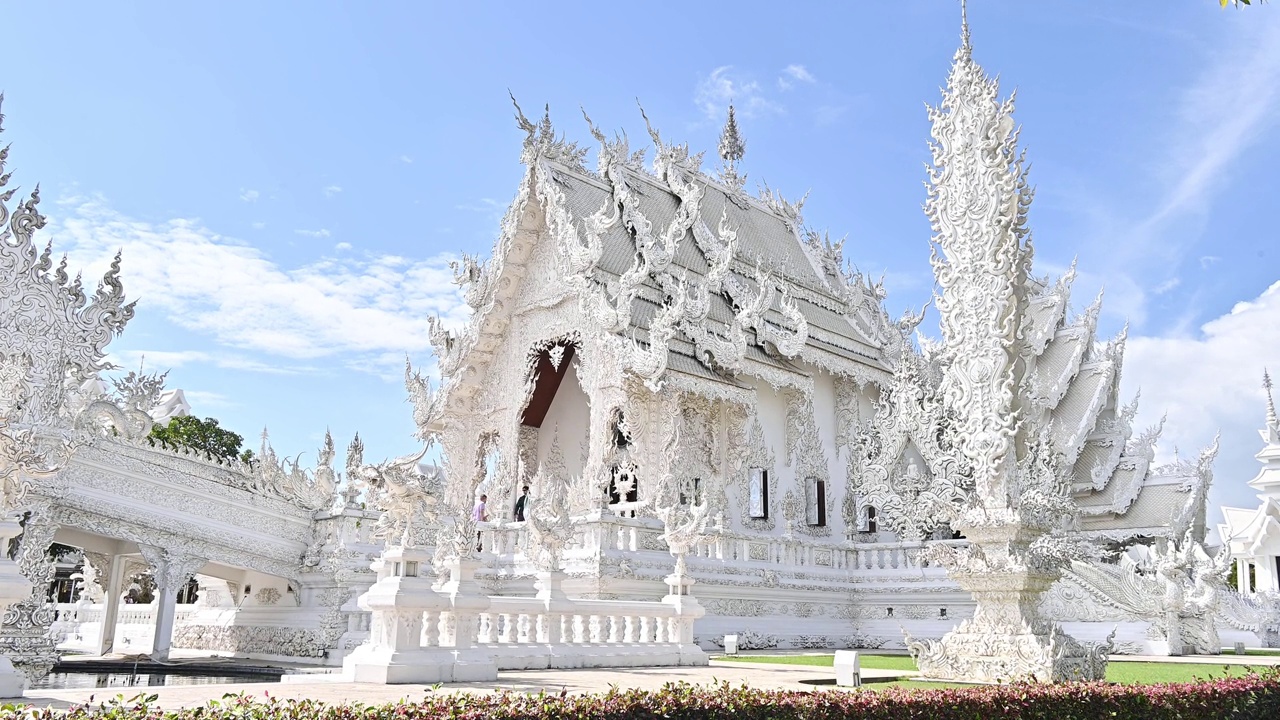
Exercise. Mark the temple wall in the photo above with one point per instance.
(824, 410)
(568, 420)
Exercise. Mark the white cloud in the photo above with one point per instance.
(321, 233)
(249, 196)
(342, 246)
(359, 307)
(1211, 381)
(1209, 261)
(792, 74)
(201, 399)
(1167, 286)
(258, 225)
(714, 93)
(332, 190)
(406, 159)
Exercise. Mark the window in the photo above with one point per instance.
(816, 502)
(758, 493)
(867, 519)
(691, 492)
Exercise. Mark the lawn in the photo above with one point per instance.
(1119, 672)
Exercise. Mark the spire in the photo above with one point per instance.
(732, 148)
(966, 46)
(1272, 421)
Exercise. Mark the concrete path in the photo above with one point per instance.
(759, 675)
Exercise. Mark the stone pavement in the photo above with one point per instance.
(759, 675)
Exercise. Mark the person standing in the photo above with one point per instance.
(480, 514)
(520, 503)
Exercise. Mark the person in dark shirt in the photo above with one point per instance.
(520, 503)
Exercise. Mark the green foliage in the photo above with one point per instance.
(1254, 696)
(1238, 3)
(201, 435)
(1117, 672)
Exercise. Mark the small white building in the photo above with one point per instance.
(1254, 534)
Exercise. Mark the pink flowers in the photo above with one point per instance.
(1235, 698)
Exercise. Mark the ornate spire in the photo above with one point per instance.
(1272, 421)
(977, 204)
(966, 46)
(732, 148)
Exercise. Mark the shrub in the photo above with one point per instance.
(1238, 698)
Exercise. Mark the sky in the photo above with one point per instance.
(289, 180)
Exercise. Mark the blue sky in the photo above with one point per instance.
(289, 179)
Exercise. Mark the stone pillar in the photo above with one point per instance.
(114, 572)
(25, 636)
(171, 570)
(13, 587)
(466, 602)
(1242, 576)
(403, 644)
(1265, 574)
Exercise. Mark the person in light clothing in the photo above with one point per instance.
(480, 514)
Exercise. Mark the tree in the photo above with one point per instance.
(1238, 3)
(202, 435)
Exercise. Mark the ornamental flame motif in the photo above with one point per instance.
(53, 338)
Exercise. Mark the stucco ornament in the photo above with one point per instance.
(911, 500)
(53, 338)
(550, 527)
(684, 519)
(1020, 502)
(406, 496)
(311, 490)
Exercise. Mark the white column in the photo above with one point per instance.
(13, 588)
(111, 604)
(1264, 573)
(171, 570)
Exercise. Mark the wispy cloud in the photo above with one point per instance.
(258, 225)
(1168, 285)
(164, 360)
(332, 190)
(340, 247)
(353, 307)
(723, 86)
(321, 233)
(793, 74)
(1225, 108)
(249, 196)
(406, 159)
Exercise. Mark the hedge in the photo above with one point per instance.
(1238, 698)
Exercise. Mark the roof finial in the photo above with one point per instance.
(732, 148)
(1271, 403)
(965, 44)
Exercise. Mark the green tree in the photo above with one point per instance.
(1238, 3)
(202, 435)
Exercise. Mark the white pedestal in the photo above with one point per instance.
(394, 653)
(848, 668)
(14, 586)
(12, 682)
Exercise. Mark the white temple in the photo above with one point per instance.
(1252, 536)
(722, 431)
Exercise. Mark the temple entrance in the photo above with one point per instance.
(554, 426)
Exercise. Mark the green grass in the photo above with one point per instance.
(873, 662)
(1119, 672)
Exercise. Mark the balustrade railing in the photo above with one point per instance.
(610, 533)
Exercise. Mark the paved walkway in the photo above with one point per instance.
(759, 675)
(327, 688)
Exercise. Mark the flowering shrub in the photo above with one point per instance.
(1240, 698)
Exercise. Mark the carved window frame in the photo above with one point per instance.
(758, 496)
